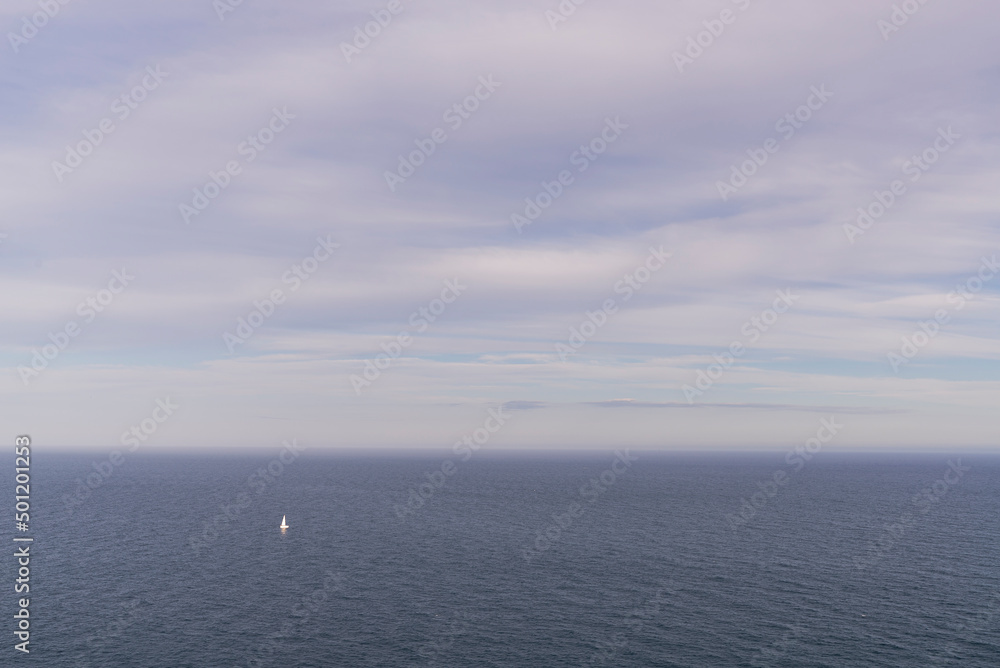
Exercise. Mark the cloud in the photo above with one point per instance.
(657, 185)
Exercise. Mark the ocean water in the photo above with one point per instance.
(516, 560)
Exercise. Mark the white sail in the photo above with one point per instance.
(284, 525)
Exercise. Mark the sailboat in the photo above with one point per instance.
(284, 524)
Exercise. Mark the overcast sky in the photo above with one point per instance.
(663, 120)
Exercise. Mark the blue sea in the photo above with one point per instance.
(599, 559)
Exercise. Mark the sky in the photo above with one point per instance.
(682, 225)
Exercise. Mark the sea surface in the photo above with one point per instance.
(635, 559)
